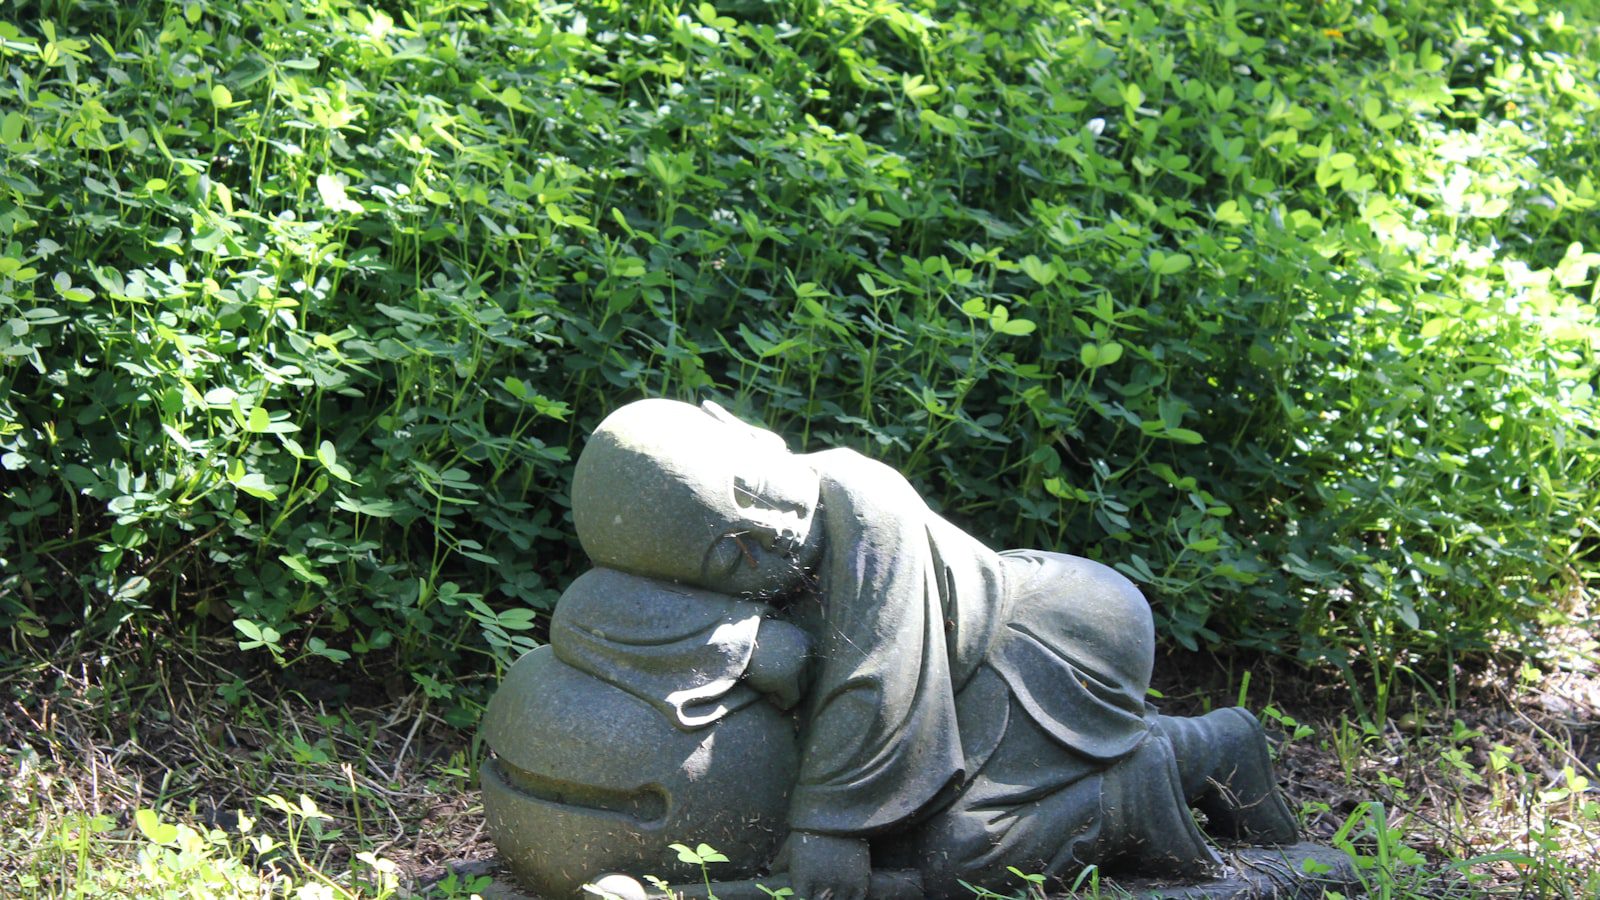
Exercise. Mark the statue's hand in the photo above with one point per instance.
(778, 665)
(826, 866)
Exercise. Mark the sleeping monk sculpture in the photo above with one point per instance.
(793, 659)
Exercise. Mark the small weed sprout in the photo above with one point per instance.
(704, 856)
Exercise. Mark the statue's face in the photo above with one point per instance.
(669, 490)
(771, 535)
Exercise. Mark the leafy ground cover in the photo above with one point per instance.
(1286, 309)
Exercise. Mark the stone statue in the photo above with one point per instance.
(651, 717)
(955, 711)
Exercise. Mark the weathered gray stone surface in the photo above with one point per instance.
(795, 660)
(1264, 873)
(588, 777)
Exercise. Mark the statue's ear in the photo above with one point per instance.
(763, 436)
(714, 409)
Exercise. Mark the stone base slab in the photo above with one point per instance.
(1303, 871)
(1262, 873)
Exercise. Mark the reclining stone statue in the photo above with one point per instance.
(955, 711)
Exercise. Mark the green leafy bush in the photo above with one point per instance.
(1287, 310)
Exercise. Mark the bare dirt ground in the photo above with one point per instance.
(1505, 772)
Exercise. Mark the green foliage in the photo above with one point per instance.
(1287, 310)
(49, 852)
(1513, 825)
(703, 856)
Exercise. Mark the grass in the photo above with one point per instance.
(198, 784)
(127, 775)
(1490, 798)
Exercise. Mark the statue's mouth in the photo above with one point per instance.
(646, 805)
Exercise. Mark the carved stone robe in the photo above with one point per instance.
(913, 610)
(970, 709)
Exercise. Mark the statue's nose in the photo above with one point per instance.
(782, 534)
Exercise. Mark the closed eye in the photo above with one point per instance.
(725, 555)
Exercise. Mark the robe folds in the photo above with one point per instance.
(933, 655)
(680, 650)
(912, 610)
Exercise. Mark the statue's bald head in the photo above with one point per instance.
(670, 490)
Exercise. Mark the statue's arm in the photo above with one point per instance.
(881, 742)
(826, 865)
(780, 663)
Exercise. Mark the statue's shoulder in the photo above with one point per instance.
(872, 483)
(848, 467)
(842, 462)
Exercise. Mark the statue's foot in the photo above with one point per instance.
(1183, 864)
(1242, 802)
